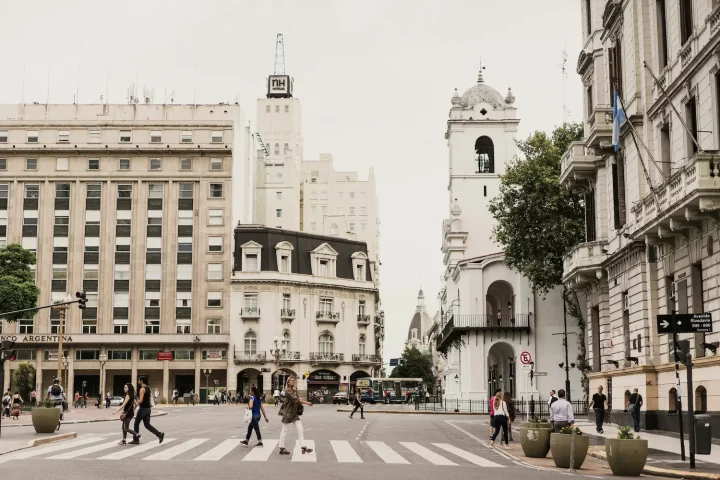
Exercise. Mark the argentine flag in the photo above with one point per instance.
(618, 119)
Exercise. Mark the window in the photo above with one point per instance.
(352, 226)
(286, 301)
(251, 301)
(87, 354)
(251, 264)
(618, 182)
(186, 190)
(589, 100)
(155, 190)
(278, 196)
(214, 299)
(313, 226)
(119, 355)
(286, 340)
(63, 136)
(686, 21)
(662, 33)
(125, 136)
(124, 190)
(124, 164)
(313, 195)
(155, 136)
(62, 190)
(32, 136)
(26, 325)
(152, 327)
(215, 217)
(615, 70)
(93, 164)
(326, 305)
(120, 326)
(214, 326)
(341, 210)
(277, 149)
(250, 343)
(90, 272)
(216, 190)
(590, 235)
(186, 164)
(148, 354)
(27, 354)
(285, 264)
(122, 272)
(340, 194)
(361, 345)
(93, 190)
(31, 164)
(362, 226)
(277, 108)
(183, 354)
(32, 190)
(352, 194)
(313, 209)
(287, 108)
(286, 148)
(94, 136)
(352, 210)
(278, 212)
(691, 120)
(267, 108)
(363, 211)
(333, 229)
(4, 190)
(185, 244)
(215, 244)
(59, 272)
(183, 299)
(216, 136)
(186, 136)
(61, 164)
(323, 268)
(326, 343)
(323, 195)
(216, 164)
(89, 327)
(3, 136)
(215, 271)
(3, 164)
(155, 163)
(485, 155)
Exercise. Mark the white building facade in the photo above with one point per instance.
(491, 321)
(652, 222)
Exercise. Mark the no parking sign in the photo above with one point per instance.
(525, 358)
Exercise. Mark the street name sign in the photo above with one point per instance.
(685, 323)
(541, 374)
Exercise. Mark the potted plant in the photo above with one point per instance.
(560, 444)
(46, 417)
(535, 438)
(627, 453)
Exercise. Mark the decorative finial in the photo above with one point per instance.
(455, 98)
(480, 70)
(510, 98)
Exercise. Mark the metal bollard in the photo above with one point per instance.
(572, 451)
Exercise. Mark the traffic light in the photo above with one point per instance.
(6, 352)
(82, 299)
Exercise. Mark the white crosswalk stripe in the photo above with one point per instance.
(177, 449)
(230, 450)
(132, 450)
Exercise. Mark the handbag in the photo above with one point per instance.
(123, 416)
(248, 415)
(300, 409)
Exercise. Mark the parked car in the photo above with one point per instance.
(341, 397)
(116, 401)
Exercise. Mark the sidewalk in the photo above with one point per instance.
(74, 416)
(11, 441)
(403, 409)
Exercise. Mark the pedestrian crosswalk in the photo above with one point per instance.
(104, 448)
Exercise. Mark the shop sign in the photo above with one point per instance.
(324, 376)
(36, 338)
(164, 356)
(214, 355)
(365, 382)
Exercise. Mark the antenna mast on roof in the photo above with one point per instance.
(563, 67)
(279, 55)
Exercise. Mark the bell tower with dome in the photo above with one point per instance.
(481, 132)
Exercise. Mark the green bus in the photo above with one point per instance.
(388, 390)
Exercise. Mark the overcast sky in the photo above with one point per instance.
(375, 80)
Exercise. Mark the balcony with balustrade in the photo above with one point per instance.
(583, 263)
(365, 358)
(250, 313)
(687, 197)
(460, 324)
(363, 319)
(250, 357)
(599, 127)
(577, 165)
(287, 314)
(324, 316)
(286, 357)
(323, 357)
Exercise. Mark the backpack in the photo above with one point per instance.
(5, 401)
(55, 390)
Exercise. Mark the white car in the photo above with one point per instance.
(116, 401)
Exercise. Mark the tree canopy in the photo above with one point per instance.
(414, 364)
(23, 379)
(539, 220)
(17, 285)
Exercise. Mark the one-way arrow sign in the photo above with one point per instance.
(685, 323)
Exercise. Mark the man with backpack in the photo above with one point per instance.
(6, 405)
(56, 393)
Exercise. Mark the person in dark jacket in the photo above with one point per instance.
(511, 413)
(634, 405)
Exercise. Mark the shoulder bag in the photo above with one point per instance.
(632, 407)
(300, 409)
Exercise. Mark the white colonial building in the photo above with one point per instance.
(652, 215)
(491, 319)
(312, 297)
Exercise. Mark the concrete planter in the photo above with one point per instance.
(45, 420)
(626, 457)
(538, 425)
(560, 448)
(535, 442)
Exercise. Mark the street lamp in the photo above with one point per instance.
(102, 358)
(277, 351)
(65, 363)
(207, 379)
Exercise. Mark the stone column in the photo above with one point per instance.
(134, 366)
(69, 388)
(39, 375)
(166, 378)
(197, 372)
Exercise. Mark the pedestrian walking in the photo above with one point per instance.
(511, 413)
(276, 396)
(6, 405)
(16, 402)
(599, 403)
(107, 399)
(56, 393)
(501, 421)
(358, 404)
(157, 397)
(85, 400)
(256, 406)
(552, 399)
(174, 396)
(143, 414)
(634, 406)
(561, 413)
(76, 403)
(290, 412)
(33, 398)
(128, 412)
(492, 412)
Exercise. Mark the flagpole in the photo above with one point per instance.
(645, 147)
(662, 89)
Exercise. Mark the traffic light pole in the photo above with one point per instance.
(61, 310)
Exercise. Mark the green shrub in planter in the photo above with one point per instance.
(45, 418)
(626, 454)
(560, 444)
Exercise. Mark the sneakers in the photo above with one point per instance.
(161, 437)
(244, 442)
(284, 452)
(135, 442)
(491, 444)
(259, 444)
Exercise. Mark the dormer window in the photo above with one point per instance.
(251, 256)
(414, 334)
(359, 260)
(283, 251)
(324, 261)
(323, 272)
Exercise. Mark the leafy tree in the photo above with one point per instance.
(414, 364)
(539, 220)
(23, 379)
(17, 286)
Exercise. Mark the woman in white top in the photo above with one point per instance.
(501, 420)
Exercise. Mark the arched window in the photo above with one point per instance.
(333, 229)
(285, 148)
(286, 340)
(361, 345)
(627, 399)
(700, 399)
(250, 343)
(326, 343)
(672, 405)
(277, 149)
(485, 155)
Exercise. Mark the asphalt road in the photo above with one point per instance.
(203, 442)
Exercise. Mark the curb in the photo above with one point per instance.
(78, 422)
(660, 472)
(410, 412)
(43, 441)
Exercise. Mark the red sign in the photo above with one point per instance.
(164, 356)
(525, 358)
